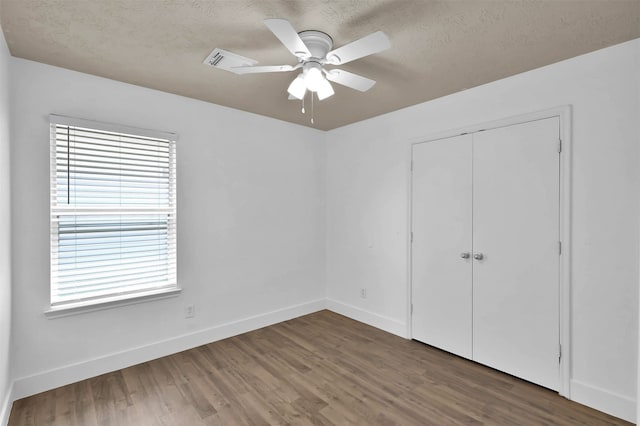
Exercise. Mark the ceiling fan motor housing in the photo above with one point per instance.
(317, 42)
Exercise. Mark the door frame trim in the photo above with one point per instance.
(564, 114)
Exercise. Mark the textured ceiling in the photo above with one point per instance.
(438, 47)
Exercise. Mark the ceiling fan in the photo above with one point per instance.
(313, 49)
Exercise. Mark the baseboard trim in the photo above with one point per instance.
(384, 323)
(5, 408)
(603, 400)
(61, 376)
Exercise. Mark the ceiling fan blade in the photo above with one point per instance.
(288, 36)
(260, 69)
(351, 80)
(368, 45)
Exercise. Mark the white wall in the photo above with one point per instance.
(5, 235)
(250, 227)
(367, 208)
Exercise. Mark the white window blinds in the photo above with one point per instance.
(113, 211)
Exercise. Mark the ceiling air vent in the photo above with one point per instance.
(226, 60)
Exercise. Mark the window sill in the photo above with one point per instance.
(109, 303)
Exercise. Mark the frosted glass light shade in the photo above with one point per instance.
(324, 89)
(313, 79)
(297, 88)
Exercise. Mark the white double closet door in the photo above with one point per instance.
(485, 252)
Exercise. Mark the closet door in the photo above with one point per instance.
(441, 225)
(516, 231)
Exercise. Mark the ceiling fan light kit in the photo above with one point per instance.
(313, 51)
(310, 79)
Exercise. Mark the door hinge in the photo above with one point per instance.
(559, 145)
(559, 247)
(559, 353)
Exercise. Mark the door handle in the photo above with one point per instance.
(465, 255)
(478, 256)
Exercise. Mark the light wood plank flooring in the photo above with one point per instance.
(320, 369)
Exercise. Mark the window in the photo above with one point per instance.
(113, 213)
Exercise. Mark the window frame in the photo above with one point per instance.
(56, 211)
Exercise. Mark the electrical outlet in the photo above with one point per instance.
(190, 311)
(363, 293)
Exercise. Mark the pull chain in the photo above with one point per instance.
(303, 104)
(311, 107)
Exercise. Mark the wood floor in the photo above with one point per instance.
(320, 369)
